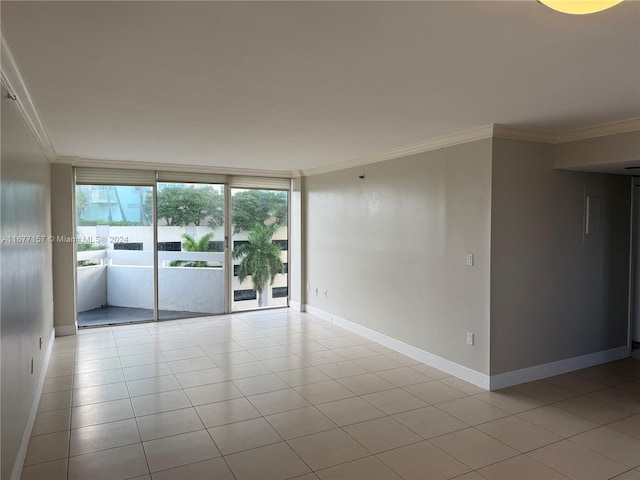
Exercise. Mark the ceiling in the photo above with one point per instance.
(292, 86)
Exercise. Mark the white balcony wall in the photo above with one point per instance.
(92, 287)
(130, 286)
(192, 289)
(126, 279)
(182, 288)
(134, 234)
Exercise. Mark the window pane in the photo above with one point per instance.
(191, 272)
(114, 254)
(260, 248)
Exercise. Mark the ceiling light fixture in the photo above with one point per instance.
(579, 7)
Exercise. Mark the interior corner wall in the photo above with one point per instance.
(26, 284)
(390, 249)
(296, 244)
(63, 231)
(555, 294)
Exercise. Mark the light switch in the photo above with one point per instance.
(470, 259)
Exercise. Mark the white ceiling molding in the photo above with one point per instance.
(496, 130)
(502, 131)
(14, 83)
(65, 160)
(613, 128)
(630, 125)
(134, 165)
(434, 144)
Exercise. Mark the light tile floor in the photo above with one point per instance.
(281, 395)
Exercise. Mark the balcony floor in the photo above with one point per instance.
(119, 315)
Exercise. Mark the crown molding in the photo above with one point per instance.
(613, 128)
(433, 144)
(61, 160)
(503, 131)
(168, 167)
(492, 131)
(14, 83)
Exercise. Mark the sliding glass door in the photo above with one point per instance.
(155, 245)
(191, 250)
(260, 248)
(115, 254)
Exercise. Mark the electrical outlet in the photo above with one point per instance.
(470, 339)
(470, 259)
(316, 291)
(326, 294)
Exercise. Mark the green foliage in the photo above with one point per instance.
(253, 207)
(85, 247)
(86, 263)
(82, 202)
(181, 206)
(192, 245)
(115, 223)
(260, 257)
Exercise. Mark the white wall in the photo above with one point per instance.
(191, 289)
(554, 294)
(179, 288)
(64, 271)
(390, 249)
(596, 153)
(92, 287)
(26, 282)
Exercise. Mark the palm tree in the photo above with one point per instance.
(192, 245)
(260, 260)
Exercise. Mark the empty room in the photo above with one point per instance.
(335, 240)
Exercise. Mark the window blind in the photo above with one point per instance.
(189, 177)
(114, 176)
(120, 176)
(266, 183)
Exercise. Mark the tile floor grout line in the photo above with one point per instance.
(337, 381)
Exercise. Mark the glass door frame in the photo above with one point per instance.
(230, 181)
(179, 181)
(228, 243)
(257, 187)
(156, 298)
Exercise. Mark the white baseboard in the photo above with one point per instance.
(26, 435)
(479, 379)
(300, 307)
(467, 374)
(537, 372)
(65, 330)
